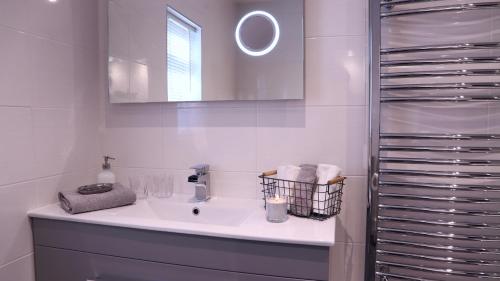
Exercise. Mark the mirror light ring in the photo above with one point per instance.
(268, 48)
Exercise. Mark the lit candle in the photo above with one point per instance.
(276, 208)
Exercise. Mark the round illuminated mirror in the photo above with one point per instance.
(257, 33)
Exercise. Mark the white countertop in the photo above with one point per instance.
(253, 225)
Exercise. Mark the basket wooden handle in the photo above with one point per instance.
(330, 182)
(336, 180)
(270, 173)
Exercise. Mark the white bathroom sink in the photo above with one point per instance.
(215, 211)
(182, 208)
(219, 217)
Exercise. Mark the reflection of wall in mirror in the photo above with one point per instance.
(135, 41)
(138, 34)
(278, 74)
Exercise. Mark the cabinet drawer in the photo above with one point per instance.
(261, 258)
(67, 265)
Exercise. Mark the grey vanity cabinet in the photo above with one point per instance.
(67, 251)
(65, 265)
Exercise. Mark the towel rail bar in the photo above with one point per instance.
(442, 47)
(447, 248)
(441, 86)
(435, 161)
(401, 277)
(487, 137)
(440, 73)
(447, 8)
(450, 236)
(466, 200)
(447, 271)
(468, 187)
(450, 260)
(458, 149)
(458, 60)
(474, 213)
(455, 174)
(402, 2)
(451, 224)
(440, 99)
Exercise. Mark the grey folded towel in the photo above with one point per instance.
(304, 191)
(74, 202)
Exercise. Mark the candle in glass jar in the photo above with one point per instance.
(276, 209)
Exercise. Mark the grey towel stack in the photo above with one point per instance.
(74, 202)
(304, 190)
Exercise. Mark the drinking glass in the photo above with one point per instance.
(139, 186)
(162, 185)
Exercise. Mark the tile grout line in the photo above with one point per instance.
(32, 180)
(16, 260)
(43, 37)
(217, 171)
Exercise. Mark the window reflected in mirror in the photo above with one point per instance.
(183, 58)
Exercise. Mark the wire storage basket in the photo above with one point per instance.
(311, 200)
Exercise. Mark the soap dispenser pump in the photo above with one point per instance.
(106, 176)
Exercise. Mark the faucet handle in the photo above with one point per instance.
(201, 169)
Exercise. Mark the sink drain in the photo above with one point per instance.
(196, 211)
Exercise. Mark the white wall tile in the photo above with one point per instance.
(15, 65)
(348, 262)
(225, 138)
(335, 17)
(351, 223)
(86, 91)
(51, 73)
(52, 20)
(15, 201)
(336, 71)
(13, 13)
(16, 145)
(22, 269)
(47, 189)
(54, 137)
(336, 135)
(235, 184)
(84, 18)
(134, 135)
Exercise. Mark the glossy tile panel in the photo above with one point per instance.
(225, 138)
(335, 67)
(324, 18)
(67, 21)
(313, 135)
(16, 145)
(15, 201)
(15, 67)
(348, 262)
(55, 136)
(134, 135)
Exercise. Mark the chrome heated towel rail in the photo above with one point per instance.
(434, 196)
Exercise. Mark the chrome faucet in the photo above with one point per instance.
(201, 182)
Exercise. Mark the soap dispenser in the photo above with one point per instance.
(106, 176)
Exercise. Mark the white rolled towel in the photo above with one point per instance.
(325, 172)
(287, 172)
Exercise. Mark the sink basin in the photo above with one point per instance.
(182, 208)
(215, 211)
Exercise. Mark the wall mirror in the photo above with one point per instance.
(205, 50)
